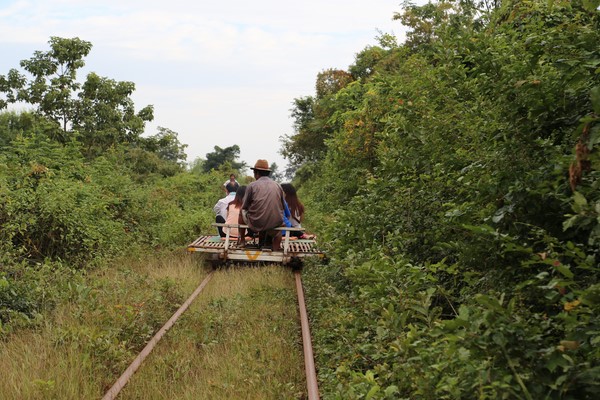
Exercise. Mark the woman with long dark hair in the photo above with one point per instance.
(296, 207)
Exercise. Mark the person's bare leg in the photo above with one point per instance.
(242, 232)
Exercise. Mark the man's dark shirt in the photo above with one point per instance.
(264, 203)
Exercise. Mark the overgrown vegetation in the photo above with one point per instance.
(93, 221)
(103, 320)
(79, 185)
(238, 340)
(456, 179)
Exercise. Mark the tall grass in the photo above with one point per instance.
(240, 340)
(31, 367)
(79, 350)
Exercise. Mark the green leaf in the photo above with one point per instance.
(499, 339)
(463, 354)
(390, 390)
(370, 376)
(564, 270)
(4, 283)
(591, 5)
(490, 302)
(374, 390)
(580, 201)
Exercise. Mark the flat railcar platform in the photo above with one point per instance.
(227, 249)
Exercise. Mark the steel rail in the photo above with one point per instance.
(124, 378)
(309, 360)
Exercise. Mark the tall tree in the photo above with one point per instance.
(105, 114)
(223, 156)
(306, 143)
(166, 145)
(276, 175)
(330, 81)
(53, 80)
(100, 111)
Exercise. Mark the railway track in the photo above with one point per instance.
(309, 365)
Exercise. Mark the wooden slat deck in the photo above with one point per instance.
(227, 249)
(210, 242)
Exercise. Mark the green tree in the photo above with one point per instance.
(100, 111)
(54, 79)
(366, 61)
(196, 166)
(330, 81)
(223, 156)
(166, 144)
(423, 22)
(276, 175)
(105, 114)
(160, 154)
(311, 121)
(307, 143)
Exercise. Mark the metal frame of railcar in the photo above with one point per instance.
(227, 249)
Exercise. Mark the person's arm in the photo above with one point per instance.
(286, 215)
(217, 207)
(245, 204)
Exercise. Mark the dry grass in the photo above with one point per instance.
(82, 346)
(239, 341)
(32, 368)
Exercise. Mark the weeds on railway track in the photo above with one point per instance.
(98, 325)
(240, 340)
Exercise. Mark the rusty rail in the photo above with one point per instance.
(309, 360)
(122, 381)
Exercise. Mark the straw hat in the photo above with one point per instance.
(262, 165)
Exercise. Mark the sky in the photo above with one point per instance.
(218, 73)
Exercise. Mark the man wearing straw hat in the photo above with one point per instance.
(263, 206)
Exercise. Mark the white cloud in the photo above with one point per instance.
(219, 73)
(244, 115)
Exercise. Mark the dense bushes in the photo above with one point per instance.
(29, 289)
(56, 205)
(460, 186)
(79, 214)
(60, 211)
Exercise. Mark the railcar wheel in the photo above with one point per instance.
(296, 264)
(216, 262)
